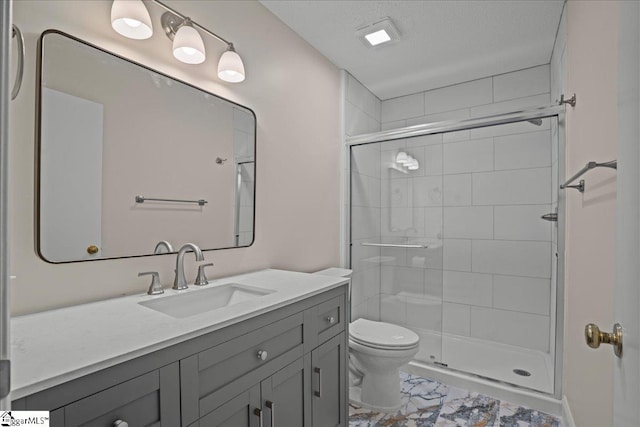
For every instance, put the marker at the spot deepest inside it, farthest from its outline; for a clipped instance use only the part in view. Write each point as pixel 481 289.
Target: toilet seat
pixel 382 336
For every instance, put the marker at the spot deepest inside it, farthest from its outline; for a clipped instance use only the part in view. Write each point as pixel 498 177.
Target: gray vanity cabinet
pixel 283 368
pixel 278 401
pixel 237 412
pixel 329 383
pixel 210 377
pixel 148 400
pixel 285 399
pixel 151 399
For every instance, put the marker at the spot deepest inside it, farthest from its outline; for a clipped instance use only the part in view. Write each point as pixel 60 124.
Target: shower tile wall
pixel 362 111
pixel 490 277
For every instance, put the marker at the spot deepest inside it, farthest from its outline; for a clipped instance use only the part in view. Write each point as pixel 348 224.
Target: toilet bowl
pixel 377 350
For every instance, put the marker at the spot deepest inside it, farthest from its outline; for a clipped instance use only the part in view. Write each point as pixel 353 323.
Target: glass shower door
pixel 499 280
pixel 448 240
pixel 396 237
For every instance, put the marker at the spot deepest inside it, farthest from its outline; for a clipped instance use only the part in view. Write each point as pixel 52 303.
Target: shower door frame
pixel 542 112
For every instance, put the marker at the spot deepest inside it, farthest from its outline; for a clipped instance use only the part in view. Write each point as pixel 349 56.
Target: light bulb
pixel 188 46
pixel 133 23
pixel 131 19
pixel 413 165
pixel 230 67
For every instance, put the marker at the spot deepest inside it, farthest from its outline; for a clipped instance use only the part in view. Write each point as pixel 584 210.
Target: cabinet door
pixel 284 400
pixel 241 411
pixel 209 378
pixel 329 388
pixel 151 399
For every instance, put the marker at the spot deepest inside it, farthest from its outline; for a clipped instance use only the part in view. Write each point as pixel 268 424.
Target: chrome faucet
pixel 163 244
pixel 180 282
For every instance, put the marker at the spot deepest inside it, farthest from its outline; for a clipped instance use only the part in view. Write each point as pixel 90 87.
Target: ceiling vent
pixel 381 33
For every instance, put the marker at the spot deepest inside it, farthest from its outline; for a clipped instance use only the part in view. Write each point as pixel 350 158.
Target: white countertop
pixel 56 346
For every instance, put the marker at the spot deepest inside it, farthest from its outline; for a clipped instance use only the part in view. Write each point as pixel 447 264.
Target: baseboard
pixel 567 416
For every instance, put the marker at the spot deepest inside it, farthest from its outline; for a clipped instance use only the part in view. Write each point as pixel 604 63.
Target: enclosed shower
pixel 454 235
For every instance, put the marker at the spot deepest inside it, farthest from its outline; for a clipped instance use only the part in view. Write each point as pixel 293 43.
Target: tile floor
pixel 427 403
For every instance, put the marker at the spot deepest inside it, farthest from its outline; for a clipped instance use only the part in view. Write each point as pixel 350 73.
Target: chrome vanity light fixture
pixel 130 18
pixel 402 158
pixel 188 46
pixel 230 67
pixel 405 160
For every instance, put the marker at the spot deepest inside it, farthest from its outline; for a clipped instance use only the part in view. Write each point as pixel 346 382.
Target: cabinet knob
pixel 92 249
pixel 331 320
pixel 120 423
pixel 262 354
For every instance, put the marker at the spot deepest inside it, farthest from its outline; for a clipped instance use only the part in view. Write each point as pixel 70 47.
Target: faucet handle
pixel 155 288
pixel 201 279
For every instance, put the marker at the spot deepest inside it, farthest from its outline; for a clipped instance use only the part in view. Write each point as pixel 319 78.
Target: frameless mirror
pixel 129 157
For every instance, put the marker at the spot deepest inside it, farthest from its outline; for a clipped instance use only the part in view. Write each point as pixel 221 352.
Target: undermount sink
pixel 198 302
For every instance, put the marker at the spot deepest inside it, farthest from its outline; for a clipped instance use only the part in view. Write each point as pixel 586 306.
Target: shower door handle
pixel 550 217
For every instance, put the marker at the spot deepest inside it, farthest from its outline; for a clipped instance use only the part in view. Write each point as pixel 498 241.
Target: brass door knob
pixel 594 337
pixel 92 249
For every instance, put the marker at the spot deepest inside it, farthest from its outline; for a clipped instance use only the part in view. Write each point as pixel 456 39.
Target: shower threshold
pixel 498 362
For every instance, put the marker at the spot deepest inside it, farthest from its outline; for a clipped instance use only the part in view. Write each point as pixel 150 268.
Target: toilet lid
pixel 382 335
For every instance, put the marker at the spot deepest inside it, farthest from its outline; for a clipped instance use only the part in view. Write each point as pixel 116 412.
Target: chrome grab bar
pixel 395 245
pixel 613 164
pixel 19 74
pixel 142 199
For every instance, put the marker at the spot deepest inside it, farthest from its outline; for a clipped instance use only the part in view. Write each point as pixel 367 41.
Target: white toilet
pixel 377 350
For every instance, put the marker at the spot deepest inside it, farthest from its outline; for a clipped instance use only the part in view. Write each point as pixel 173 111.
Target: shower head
pixel 536 122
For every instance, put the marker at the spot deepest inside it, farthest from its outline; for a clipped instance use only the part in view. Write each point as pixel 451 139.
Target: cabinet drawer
pixel 210 377
pixel 151 399
pixel 330 318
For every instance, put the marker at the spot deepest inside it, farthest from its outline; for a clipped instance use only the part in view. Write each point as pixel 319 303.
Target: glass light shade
pixel 188 46
pixel 131 19
pixel 230 67
pixel 402 158
pixel 413 165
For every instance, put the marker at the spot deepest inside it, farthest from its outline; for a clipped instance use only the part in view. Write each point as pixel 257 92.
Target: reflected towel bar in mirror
pixel 142 199
pixel 395 245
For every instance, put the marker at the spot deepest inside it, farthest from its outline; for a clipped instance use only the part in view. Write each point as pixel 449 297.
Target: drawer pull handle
pixel 272 409
pixel 331 320
pixel 262 354
pixel 120 423
pixel 319 372
pixel 258 413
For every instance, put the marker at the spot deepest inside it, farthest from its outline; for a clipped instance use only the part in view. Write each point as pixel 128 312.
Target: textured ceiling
pixel 442 42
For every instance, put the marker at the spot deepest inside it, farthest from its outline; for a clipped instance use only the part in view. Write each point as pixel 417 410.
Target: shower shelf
pixel 395 245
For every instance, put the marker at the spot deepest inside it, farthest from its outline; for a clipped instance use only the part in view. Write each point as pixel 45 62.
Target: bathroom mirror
pixel 113 136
